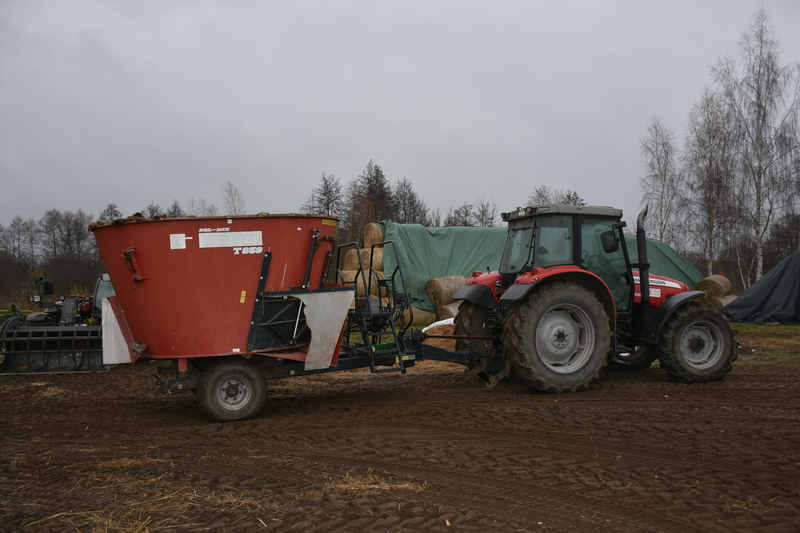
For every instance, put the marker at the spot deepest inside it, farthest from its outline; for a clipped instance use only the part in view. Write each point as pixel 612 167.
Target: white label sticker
pixel 659 282
pixel 230 239
pixel 177 241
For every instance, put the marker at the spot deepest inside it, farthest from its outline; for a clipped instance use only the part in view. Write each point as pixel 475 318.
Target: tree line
pixel 728 197
pixel 372 197
pixel 60 247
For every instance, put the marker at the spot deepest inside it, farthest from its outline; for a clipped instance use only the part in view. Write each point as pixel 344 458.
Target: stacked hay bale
pixel 351 266
pixel 718 290
pixel 372 235
pixel 420 316
pixel 441 292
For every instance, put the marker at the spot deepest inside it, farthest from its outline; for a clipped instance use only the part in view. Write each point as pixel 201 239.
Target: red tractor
pixel 567 301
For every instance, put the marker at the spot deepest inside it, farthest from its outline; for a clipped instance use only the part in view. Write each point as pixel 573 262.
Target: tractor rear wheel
pixel 558 338
pixel 472 320
pixel 475 321
pixel 231 389
pixel 697 344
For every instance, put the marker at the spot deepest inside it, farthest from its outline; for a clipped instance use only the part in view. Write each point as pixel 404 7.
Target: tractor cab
pixel 557 239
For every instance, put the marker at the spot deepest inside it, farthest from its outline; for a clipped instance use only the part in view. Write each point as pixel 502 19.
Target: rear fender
pixel 527 282
pixel 651 330
pixel 477 294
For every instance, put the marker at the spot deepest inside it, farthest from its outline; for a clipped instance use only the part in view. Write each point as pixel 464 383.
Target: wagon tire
pixel 697 344
pixel 558 338
pixel 231 389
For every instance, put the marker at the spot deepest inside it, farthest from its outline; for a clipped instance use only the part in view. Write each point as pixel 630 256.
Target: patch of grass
pixel 769 345
pixel 367 483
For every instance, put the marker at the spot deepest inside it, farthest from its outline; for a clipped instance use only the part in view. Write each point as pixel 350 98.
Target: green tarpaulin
pixel 427 253
pixel 664 261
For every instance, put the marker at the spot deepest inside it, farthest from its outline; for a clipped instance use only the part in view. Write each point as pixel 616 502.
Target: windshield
pixel 544 244
pixel 516 253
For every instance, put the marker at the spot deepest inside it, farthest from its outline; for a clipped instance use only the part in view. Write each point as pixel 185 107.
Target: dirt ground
pixel 424 451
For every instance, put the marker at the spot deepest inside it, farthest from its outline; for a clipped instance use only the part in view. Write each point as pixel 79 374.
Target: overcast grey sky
pixel 131 102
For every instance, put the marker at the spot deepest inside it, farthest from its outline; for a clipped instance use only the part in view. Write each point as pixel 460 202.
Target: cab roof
pixel 561 209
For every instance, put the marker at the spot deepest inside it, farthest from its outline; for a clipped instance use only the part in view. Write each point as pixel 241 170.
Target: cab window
pixel 553 241
pixel 609 266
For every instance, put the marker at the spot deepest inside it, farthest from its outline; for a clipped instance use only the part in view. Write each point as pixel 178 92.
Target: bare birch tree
pixel 763 98
pixel 200 208
pixel 233 200
pixel 661 185
pixel 708 162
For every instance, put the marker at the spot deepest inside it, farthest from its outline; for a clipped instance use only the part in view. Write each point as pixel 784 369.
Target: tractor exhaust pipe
pixel 644 266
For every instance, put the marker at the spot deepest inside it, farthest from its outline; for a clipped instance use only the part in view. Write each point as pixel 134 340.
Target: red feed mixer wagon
pixel 235 301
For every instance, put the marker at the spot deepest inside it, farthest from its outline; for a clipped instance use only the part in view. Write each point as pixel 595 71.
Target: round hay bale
pixel 372 234
pixel 713 300
pixel 448 311
pixel 420 317
pixel 714 286
pixel 727 299
pixel 441 292
pixel 720 301
pixel 377 257
pixel 351 260
pixel 349 275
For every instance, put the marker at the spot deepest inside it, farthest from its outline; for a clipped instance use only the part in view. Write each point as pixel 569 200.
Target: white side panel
pixel 115 351
pixel 326 313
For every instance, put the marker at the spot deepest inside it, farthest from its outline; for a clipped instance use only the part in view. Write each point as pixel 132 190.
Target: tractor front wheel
pixel 231 389
pixel 697 344
pixel 558 338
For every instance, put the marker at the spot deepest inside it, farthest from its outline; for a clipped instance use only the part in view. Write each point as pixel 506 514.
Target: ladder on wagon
pixel 381 313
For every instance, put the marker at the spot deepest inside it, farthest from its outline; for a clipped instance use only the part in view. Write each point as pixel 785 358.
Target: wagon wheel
pixel 558 338
pixel 232 389
pixel 697 344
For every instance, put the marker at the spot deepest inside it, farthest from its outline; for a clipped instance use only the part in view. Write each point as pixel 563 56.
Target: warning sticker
pixel 229 239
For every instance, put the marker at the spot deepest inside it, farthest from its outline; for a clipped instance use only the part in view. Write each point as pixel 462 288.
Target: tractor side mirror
pixel 48 288
pixel 609 241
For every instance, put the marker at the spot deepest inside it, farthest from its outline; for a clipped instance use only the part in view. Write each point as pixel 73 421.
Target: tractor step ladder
pixel 378 304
